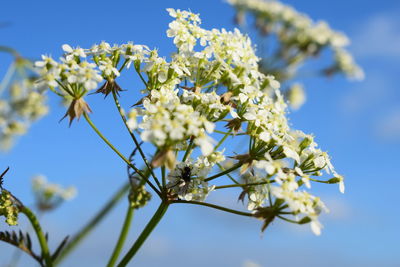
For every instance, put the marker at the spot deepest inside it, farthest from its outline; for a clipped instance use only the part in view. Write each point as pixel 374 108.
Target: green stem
pixel 7 77
pixel 221 132
pixel 164 179
pixel 123 66
pixel 9 50
pixel 145 233
pixel 18 252
pixel 77 238
pixel 141 77
pixel 65 89
pixel 222 140
pixel 243 185
pixel 248 214
pixel 39 233
pixel 234 167
pixel 324 182
pixel 119 153
pixel 230 176
pixel 189 148
pixel 289 220
pixel 116 101
pixel 122 236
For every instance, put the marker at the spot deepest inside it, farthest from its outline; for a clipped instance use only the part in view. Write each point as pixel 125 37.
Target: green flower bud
pixel 334 180
pixel 305 143
pixel 8 208
pixel 139 197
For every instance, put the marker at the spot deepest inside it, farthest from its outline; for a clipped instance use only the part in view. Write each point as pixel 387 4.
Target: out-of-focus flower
pixel 21 103
pixel 297 39
pixel 49 196
pixel 296 96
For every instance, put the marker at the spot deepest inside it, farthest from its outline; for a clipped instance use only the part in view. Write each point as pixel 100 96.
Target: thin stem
pixel 65 88
pixel 288 220
pixel 164 180
pixel 222 140
pixel 189 148
pixel 230 176
pixel 230 133
pixel 324 182
pixel 123 66
pixel 7 77
pixel 215 207
pixel 145 233
pixel 39 233
pixel 119 153
pixel 243 185
pixel 9 50
pixel 141 77
pixel 234 167
pixel 89 227
pixel 56 92
pixel 116 101
pixel 122 236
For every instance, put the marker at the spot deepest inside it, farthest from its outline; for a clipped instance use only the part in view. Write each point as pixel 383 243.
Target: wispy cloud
pixel 388 128
pixel 372 93
pixel 378 36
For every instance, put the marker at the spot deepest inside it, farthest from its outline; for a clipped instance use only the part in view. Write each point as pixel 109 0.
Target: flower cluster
pixel 212 80
pixel 139 197
pixel 48 196
pixel 299 39
pixel 81 70
pixel 20 103
pixel 167 121
pixel 187 180
pixel 8 208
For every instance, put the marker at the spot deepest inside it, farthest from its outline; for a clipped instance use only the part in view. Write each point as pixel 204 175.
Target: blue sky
pixel 357 122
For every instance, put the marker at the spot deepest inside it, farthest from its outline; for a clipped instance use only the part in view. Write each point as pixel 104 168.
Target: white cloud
pixel 339 209
pixel 379 36
pixel 388 127
pixel 373 92
pixel 250 263
pixel 157 246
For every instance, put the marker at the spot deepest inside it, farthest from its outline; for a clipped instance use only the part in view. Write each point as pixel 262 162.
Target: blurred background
pixel 358 123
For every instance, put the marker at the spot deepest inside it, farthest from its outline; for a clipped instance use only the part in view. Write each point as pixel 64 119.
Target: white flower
pixel 132 119
pixel 48 195
pixel 187 180
pixel 291 153
pixel 316 227
pixel 108 68
pixel 71 53
pixel 296 96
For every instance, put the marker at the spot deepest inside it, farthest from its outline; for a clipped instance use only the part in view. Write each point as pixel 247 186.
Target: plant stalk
pixel 145 233
pixel 118 105
pixel 120 154
pixel 39 233
pixel 78 237
pixel 122 236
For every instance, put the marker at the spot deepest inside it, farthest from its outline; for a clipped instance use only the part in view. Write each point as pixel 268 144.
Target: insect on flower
pixel 1 177
pixel 185 178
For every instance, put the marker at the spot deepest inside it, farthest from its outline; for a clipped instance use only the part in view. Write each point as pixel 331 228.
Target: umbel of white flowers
pixel 297 33
pixel 20 102
pixel 211 82
pixel 290 40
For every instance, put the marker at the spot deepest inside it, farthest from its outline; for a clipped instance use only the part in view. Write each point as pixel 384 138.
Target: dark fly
pixel 184 179
pixel 186 174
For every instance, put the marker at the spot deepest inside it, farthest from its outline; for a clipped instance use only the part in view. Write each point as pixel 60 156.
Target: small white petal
pixel 67 48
